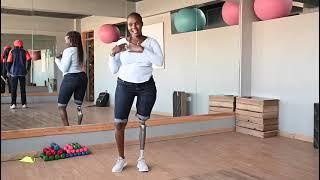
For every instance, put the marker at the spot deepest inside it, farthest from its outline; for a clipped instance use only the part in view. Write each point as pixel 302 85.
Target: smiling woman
pixel 250 59
pixel 133 60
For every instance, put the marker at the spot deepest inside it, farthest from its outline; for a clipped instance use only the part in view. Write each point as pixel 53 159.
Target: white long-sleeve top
pixel 137 67
pixel 69 61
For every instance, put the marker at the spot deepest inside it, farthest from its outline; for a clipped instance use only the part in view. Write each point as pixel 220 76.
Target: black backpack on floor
pixel 103 100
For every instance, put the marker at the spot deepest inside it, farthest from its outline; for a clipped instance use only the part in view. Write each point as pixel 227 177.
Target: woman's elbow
pixel 63 70
pixel 114 70
pixel 159 62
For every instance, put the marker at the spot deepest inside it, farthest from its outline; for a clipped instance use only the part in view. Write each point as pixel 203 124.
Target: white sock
pixel 141 154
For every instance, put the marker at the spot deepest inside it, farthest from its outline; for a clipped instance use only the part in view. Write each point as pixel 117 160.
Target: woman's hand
pixel 59 56
pixel 118 49
pixel 135 48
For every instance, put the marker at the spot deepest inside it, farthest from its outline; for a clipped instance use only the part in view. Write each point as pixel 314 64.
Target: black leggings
pixel 22 82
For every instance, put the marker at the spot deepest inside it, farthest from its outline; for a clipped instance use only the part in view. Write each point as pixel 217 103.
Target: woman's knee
pixel 120 126
pixel 62 108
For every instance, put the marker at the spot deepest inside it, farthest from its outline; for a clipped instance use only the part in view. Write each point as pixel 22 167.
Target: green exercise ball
pixel 189 19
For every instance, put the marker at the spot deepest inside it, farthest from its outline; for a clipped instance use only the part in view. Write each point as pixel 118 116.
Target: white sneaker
pixel 120 164
pixel 24 106
pixel 13 106
pixel 142 165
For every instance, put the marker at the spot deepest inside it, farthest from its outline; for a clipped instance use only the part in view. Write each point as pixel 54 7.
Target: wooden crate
pixel 263 115
pixel 221 103
pixel 256 120
pixel 259 127
pixel 257 104
pixel 257 116
pixel 222 98
pixel 213 110
pixel 260 134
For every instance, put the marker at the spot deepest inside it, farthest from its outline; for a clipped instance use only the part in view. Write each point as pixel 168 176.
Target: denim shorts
pixel 146 93
pixel 73 83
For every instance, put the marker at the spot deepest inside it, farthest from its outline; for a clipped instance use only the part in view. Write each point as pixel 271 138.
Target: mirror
pixel 218 56
pixel 197 63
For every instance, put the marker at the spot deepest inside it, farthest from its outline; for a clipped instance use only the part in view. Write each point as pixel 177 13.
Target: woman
pixel 132 59
pixel 75 80
pixel 5 78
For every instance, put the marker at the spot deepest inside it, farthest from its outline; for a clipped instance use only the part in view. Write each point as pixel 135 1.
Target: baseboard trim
pixel 296 136
pixel 29 94
pixel 36 132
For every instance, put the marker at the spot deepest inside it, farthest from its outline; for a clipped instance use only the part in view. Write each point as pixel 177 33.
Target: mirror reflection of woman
pixel 74 82
pixel 4 73
pixel 132 59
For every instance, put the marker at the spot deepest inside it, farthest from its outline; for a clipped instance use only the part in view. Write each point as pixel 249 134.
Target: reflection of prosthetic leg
pixel 3 84
pixel 80 115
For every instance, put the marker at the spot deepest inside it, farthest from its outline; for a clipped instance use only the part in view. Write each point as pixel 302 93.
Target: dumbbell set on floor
pixel 54 152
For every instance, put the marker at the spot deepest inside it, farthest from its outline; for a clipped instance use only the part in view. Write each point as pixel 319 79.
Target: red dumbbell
pixel 48 153
pixel 85 149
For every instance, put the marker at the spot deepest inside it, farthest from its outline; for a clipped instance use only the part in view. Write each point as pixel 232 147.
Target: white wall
pixel 103 78
pixel 200 63
pixel 218 52
pixel 285 65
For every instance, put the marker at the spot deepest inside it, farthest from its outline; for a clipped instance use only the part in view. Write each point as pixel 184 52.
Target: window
pixel 212 12
pixel 123 29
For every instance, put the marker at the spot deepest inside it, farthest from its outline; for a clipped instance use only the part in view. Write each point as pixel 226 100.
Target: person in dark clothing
pixel 18 66
pixel 4 78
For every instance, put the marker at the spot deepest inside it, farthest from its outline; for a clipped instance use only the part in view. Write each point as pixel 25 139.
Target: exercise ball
pixel 271 9
pixel 189 19
pixel 35 54
pixel 108 33
pixel 230 13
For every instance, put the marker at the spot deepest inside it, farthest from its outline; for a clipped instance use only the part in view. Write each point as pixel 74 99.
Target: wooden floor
pixel 225 156
pixel 41 115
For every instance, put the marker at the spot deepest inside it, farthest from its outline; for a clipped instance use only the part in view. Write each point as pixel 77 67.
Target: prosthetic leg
pixel 80 115
pixel 142 166
pixel 142 137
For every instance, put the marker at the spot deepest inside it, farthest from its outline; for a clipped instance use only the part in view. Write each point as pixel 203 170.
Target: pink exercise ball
pixel 271 9
pixel 230 13
pixel 108 33
pixel 35 54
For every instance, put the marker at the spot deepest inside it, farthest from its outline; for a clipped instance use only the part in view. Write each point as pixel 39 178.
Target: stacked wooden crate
pixel 257 116
pixel 221 103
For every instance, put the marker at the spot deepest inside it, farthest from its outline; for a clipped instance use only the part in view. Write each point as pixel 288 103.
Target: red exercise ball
pixel 35 54
pixel 230 12
pixel 109 33
pixel 271 9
